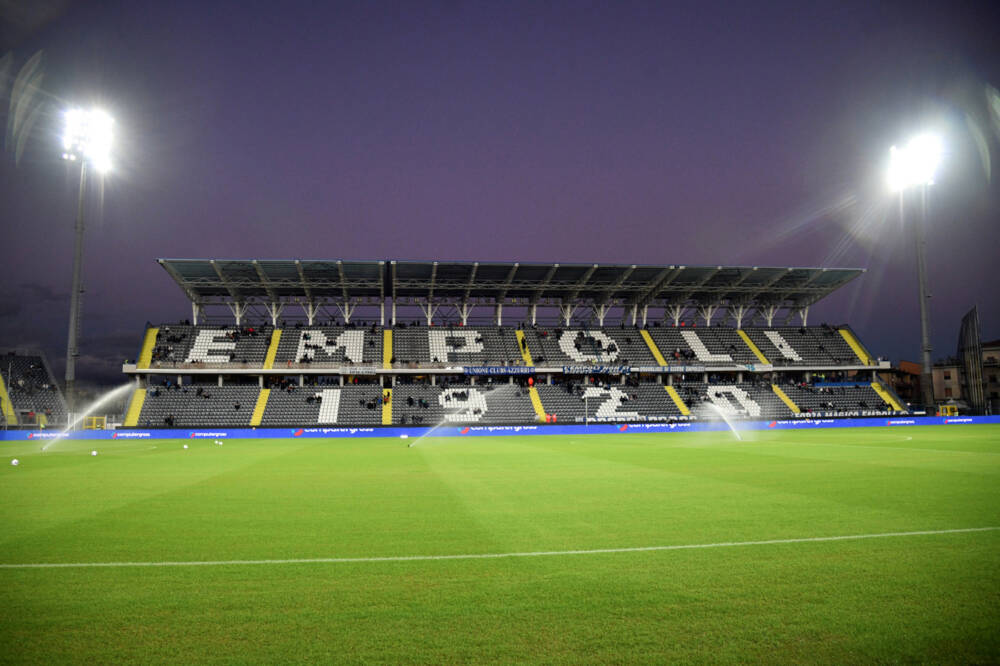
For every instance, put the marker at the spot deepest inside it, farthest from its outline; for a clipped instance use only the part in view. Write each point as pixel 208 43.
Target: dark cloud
pixel 42 293
pixel 9 307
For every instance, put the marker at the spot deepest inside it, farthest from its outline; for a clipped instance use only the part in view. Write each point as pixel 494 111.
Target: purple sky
pixel 698 133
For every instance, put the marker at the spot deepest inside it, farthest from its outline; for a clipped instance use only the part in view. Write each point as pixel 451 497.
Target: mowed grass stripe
pixel 490 556
pixel 719 592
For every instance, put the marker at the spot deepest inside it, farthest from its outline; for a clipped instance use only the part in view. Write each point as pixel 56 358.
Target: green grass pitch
pixel 929 598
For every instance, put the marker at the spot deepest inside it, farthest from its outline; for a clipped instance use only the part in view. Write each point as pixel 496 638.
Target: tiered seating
pixel 782 346
pixel 575 346
pixel 733 400
pixel 703 346
pixel 329 345
pixel 324 352
pixel 815 346
pixel 351 405
pixel 466 345
pixel 860 399
pixel 31 388
pixel 611 402
pixel 723 339
pixel 419 404
pixel 190 406
pixel 215 345
pixel 410 346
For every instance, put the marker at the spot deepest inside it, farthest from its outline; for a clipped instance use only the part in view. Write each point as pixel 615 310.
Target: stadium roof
pixel 211 281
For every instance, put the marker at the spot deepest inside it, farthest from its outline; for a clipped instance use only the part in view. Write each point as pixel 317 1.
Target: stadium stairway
pixel 135 407
pixel 523 346
pixel 856 346
pixel 785 399
pixel 6 406
pixel 887 397
pixel 272 349
pixel 749 343
pixel 676 397
pixel 387 348
pixel 258 410
pixel 653 349
pixel 146 352
pixel 536 402
pixel 387 406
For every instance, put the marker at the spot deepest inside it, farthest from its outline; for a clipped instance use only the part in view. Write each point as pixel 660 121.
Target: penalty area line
pixel 492 556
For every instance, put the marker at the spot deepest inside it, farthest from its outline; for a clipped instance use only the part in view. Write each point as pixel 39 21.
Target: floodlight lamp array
pixel 914 164
pixel 87 135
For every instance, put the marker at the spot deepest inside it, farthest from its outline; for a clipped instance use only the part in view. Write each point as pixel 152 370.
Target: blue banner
pixel 596 370
pixel 498 370
pixel 486 430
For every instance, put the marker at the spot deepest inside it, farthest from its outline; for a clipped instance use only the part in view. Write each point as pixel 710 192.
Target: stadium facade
pixel 379 343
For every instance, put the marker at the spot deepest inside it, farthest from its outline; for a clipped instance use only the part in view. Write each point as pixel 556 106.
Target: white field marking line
pixel 492 556
pixel 891 448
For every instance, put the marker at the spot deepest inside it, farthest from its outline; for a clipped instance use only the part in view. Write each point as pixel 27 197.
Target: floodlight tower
pixel 914 166
pixel 87 140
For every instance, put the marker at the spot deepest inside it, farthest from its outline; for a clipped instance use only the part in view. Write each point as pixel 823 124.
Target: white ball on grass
pixel 185 446
pixel 93 453
pixel 15 462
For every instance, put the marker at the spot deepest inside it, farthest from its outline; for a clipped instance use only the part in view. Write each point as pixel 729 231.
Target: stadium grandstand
pixel 29 394
pixel 368 343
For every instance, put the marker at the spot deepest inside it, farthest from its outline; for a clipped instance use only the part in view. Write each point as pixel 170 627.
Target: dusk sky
pixel 687 133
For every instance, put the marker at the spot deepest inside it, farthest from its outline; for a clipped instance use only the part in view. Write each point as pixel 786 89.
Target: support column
pixel 707 312
pixel 738 312
pixel 768 312
pixel 310 309
pixel 566 312
pixel 464 308
pixel 499 314
pixel 429 309
pixel 220 380
pixel 275 309
pixel 238 309
pixel 195 311
pixel 534 314
pixel 346 310
pixel 600 311
pixel 76 294
pixel 675 312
